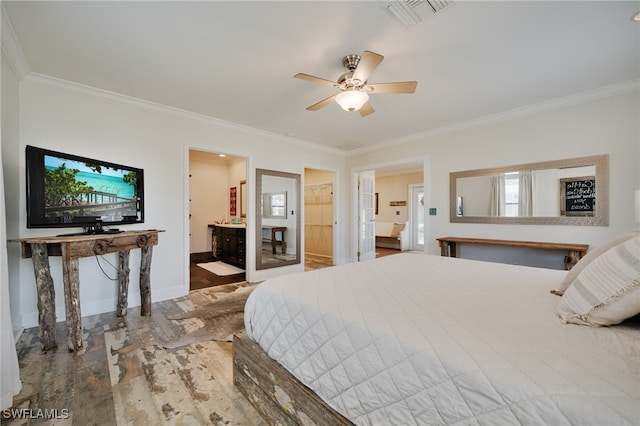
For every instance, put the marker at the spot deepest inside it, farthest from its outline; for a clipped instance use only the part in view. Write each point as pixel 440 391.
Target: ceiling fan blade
pixel 366 109
pixel 369 61
pixel 314 79
pixel 399 87
pixel 322 103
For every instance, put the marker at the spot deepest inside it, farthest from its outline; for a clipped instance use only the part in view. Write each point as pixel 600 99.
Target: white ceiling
pixel 235 60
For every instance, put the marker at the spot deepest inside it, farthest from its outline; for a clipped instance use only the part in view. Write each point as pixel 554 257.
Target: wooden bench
pixel 574 251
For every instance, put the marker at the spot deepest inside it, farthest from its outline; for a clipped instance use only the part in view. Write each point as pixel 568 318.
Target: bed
pixel 416 339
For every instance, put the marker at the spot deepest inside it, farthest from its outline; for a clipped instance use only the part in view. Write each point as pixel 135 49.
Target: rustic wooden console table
pixel 71 248
pixel 574 251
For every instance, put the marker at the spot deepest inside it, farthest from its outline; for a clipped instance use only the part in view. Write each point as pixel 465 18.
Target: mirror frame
pixel 600 218
pixel 259 175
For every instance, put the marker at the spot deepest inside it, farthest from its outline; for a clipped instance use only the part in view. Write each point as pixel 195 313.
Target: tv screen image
pixel 65 190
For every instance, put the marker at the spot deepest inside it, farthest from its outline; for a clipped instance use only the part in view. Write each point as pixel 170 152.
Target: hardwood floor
pixel 312 261
pixel 124 376
pixel 201 278
pixel 382 252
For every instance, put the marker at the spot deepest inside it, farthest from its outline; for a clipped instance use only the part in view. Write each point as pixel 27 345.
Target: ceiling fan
pixel 354 89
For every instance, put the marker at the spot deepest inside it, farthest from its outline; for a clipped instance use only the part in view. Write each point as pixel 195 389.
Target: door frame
pixel 250 264
pixel 426 169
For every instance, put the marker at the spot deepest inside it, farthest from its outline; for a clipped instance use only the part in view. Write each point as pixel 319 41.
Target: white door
pixel 366 215
pixel 416 219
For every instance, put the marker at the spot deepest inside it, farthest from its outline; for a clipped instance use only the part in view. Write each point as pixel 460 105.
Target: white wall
pixel 609 125
pixel 237 172
pixel 11 158
pixel 57 116
pixel 395 188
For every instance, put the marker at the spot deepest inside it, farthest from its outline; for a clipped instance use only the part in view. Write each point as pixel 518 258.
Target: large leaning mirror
pixel 277 219
pixel 572 191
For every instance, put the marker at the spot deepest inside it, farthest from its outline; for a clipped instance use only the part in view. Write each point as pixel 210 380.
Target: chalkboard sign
pixel 578 196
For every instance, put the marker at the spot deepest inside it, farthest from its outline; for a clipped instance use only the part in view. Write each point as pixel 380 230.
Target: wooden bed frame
pixel 280 398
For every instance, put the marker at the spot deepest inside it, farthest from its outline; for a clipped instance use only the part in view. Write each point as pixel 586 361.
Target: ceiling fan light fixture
pixel 351 100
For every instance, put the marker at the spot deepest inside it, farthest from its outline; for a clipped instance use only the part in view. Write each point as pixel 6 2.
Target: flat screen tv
pixel 65 190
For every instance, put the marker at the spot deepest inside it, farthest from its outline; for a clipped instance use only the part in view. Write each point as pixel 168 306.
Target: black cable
pixel 102 269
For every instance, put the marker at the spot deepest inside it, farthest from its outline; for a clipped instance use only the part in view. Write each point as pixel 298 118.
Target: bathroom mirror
pixel 277 219
pixel 572 191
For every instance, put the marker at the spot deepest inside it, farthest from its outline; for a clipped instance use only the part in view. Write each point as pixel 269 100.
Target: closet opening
pixel 318 218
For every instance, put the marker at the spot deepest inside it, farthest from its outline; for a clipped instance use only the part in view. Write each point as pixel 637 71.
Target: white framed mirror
pixel 277 219
pixel 572 191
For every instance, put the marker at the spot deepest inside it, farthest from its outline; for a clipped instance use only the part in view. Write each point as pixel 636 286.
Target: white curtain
pixel 496 199
pixel 525 194
pixel 10 371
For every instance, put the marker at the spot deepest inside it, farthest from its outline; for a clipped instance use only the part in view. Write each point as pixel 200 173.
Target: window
pixel 511 194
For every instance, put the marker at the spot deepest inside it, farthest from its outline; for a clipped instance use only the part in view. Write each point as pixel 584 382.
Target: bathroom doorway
pixel 215 198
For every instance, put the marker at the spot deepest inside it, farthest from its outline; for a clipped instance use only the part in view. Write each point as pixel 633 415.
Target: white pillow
pixel 397 229
pixel 593 254
pixel 607 290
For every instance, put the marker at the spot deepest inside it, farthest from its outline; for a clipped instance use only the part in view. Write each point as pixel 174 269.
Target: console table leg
pixel 447 249
pixel 571 259
pixel 145 280
pixel 46 296
pixel 123 282
pixel 71 280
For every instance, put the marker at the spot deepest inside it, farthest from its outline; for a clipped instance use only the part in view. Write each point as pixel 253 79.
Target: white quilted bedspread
pixel 414 339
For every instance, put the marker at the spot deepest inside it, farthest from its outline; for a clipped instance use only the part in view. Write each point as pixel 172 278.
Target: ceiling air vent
pixel 410 12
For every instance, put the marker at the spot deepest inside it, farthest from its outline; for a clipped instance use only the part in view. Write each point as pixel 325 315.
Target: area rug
pixel 218 320
pixel 220 268
pixel 156 385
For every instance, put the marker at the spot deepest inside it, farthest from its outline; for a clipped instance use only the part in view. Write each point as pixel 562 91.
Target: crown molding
pixel 85 90
pixel 18 63
pixel 11 47
pixel 565 101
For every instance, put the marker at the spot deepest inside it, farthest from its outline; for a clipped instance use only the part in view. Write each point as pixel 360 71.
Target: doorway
pixel 416 217
pixel 215 186
pixel 318 218
pixel 394 204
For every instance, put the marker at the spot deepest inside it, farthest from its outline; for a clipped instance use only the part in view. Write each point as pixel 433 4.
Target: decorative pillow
pixel 607 290
pixel 593 254
pixel 397 229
